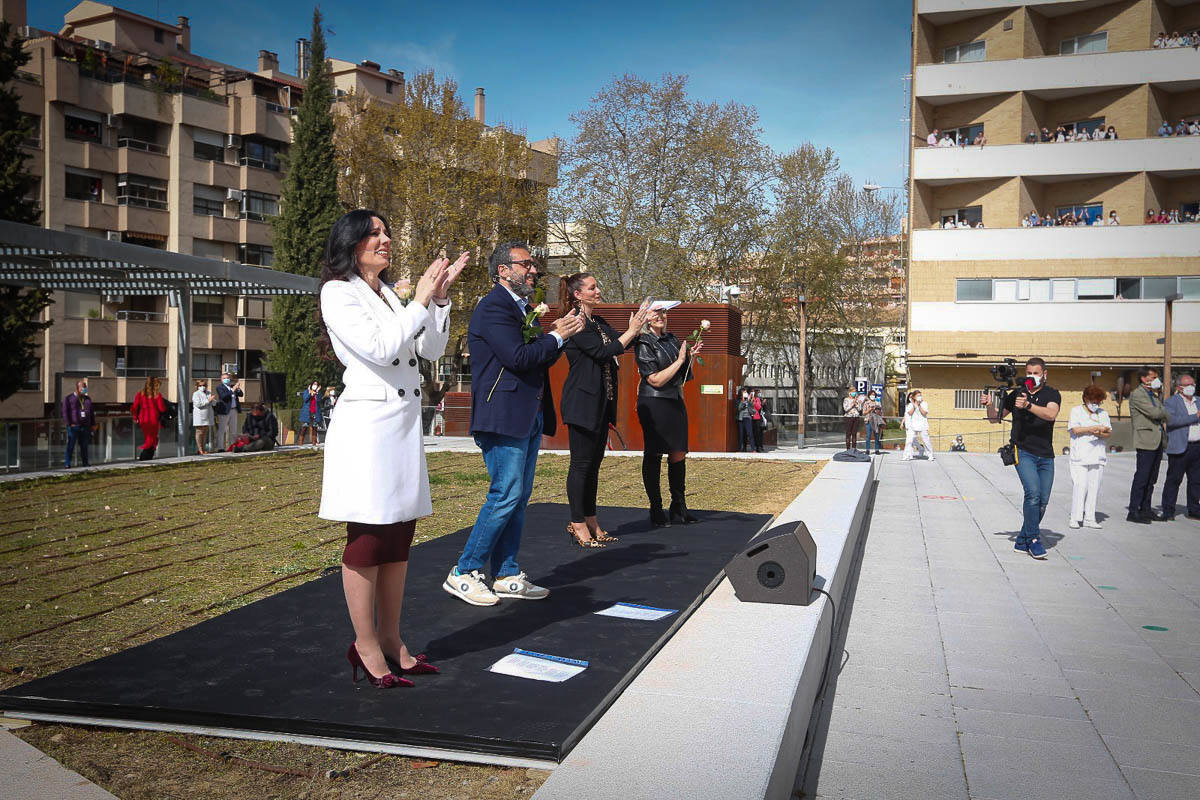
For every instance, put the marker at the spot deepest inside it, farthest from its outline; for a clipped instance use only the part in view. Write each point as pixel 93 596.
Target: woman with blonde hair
pixel 148 408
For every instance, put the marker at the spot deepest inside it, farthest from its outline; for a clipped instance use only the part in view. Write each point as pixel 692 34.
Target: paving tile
pixel 1166 756
pixel 1027 727
pixel 1152 718
pixel 999 767
pixel 886 782
pixel 1163 785
pixel 1018 703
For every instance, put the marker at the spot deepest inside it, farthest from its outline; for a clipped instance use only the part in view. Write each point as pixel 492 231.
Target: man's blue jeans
pixel 81 435
pixel 511 463
pixel 1037 477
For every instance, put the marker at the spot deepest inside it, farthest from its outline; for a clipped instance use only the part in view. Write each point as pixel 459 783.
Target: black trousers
pixel 1145 475
pixel 758 434
pixel 583 476
pixel 1185 463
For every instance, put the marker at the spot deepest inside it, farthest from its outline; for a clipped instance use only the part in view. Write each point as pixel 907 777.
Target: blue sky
pixel 826 72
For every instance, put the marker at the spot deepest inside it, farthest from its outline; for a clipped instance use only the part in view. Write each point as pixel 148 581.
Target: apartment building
pixel 1089 297
pixel 138 139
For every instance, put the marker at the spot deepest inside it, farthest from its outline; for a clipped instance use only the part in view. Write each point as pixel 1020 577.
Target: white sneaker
pixel 1074 523
pixel 470 588
pixel 520 587
pixel 1091 523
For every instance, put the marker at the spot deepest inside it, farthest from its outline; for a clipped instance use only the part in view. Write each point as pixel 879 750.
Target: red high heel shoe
pixel 388 681
pixel 422 667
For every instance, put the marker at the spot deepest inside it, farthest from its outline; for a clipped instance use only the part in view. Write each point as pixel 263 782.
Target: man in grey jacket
pixel 1183 448
pixel 1147 414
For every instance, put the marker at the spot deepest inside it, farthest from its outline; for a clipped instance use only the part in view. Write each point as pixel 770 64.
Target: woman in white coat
pixel 375 479
pixel 202 415
pixel 916 423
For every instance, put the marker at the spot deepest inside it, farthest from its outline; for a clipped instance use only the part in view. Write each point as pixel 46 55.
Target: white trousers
pixel 227 428
pixel 910 438
pixel 1085 488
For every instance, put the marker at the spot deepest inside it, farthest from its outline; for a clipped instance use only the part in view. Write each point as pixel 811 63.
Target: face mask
pixel 226 381
pixel 314 387
pixel 1093 407
pixel 1188 391
pixel 1156 383
pixel 83 390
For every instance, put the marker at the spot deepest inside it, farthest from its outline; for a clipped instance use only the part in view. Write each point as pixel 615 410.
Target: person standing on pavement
pixel 745 423
pixel 77 413
pixel 852 408
pixel 148 408
pixel 1034 406
pixel 229 394
pixel 916 423
pixel 757 421
pixel 1147 414
pixel 202 415
pixel 1183 448
pixel 873 410
pixel 1089 426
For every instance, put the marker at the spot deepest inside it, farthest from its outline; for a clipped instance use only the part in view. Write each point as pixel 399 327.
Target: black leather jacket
pixel 655 354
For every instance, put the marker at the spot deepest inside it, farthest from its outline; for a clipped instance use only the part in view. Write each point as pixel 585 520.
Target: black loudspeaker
pixel 777 566
pixel 275 387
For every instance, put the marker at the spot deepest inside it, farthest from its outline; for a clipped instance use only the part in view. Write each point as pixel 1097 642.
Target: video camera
pixel 1006 372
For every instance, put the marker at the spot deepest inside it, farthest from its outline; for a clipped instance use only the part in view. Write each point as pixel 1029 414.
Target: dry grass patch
pixel 91 564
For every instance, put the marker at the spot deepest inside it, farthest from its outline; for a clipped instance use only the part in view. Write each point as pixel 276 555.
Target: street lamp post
pixel 803 302
pixel 1167 325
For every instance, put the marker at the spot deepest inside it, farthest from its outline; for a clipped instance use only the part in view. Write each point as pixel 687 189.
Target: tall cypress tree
pixel 19 308
pixel 308 208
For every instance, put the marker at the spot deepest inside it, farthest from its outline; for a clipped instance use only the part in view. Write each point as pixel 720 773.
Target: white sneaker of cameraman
pixel 520 587
pixel 470 587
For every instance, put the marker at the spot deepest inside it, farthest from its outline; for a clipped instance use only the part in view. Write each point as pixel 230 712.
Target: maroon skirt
pixel 372 545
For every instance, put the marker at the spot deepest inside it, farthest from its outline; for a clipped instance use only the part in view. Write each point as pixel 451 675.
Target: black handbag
pixel 1008 454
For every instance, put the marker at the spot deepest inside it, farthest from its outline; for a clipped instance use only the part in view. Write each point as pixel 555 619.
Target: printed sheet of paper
pixel 538 666
pixel 634 611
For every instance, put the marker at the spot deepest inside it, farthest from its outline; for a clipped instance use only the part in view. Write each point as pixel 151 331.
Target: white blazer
pixel 374 469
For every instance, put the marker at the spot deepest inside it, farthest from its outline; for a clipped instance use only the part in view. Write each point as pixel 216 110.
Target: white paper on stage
pixel 634 611
pixel 538 666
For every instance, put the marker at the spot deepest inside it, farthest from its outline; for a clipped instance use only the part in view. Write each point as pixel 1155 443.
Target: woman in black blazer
pixel 589 400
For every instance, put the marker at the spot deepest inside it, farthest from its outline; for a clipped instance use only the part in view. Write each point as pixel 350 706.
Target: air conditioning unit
pixel 113 236
pixel 100 44
pixel 233 140
pixel 231 368
pixel 112 120
pixel 233 195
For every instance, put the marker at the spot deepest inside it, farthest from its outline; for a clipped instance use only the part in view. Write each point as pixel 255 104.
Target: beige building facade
pixel 138 139
pixel 1088 298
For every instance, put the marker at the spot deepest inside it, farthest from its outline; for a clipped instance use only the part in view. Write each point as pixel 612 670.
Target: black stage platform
pixel 278 666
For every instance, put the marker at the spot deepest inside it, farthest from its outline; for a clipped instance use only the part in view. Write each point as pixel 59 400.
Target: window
pixel 33 124
pixel 83 130
pixel 208 145
pixel 968 399
pixel 206 363
pixel 1062 289
pixel 262 153
pixel 1129 288
pixel 208 200
pixel 208 309
pixel 250 362
pixel 1004 291
pixel 205 248
pixel 79 305
pixel 257 205
pixel 1088 43
pixel 83 187
pixel 258 255
pixel 1190 287
pixel 970 216
pixel 141 362
pixel 1039 292
pixel 389 86
pixel 972 51
pixel 970 289
pixel 33 378
pixel 1188 210
pixel 1159 288
pixel 1084 213
pixel 1087 126
pixel 966 134
pixel 140 190
pixel 253 311
pixel 1096 288
pixel 158 36
pixel 81 358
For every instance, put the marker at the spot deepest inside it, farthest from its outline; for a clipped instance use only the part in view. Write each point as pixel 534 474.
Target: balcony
pixel 941 165
pixel 88 155
pixel 256 119
pixel 1041 244
pixel 946 11
pixel 1057 76
pixel 1074 316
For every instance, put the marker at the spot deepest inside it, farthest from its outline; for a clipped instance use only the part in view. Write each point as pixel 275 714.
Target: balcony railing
pixel 247 161
pixel 143 202
pixel 28 77
pixel 141 372
pixel 278 109
pixel 141 316
pixel 249 322
pixel 138 144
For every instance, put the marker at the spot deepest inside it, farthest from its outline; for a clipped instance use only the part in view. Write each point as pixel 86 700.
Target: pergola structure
pixel 47 259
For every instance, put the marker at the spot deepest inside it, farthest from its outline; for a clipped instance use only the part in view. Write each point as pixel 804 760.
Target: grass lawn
pixel 93 564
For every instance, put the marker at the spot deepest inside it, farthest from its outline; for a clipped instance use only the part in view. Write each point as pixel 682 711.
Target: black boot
pixel 677 480
pixel 652 479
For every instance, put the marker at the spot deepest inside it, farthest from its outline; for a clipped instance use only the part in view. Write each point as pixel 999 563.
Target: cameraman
pixel 1034 407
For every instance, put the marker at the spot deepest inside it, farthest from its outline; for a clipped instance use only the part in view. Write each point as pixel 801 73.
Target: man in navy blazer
pixel 1183 448
pixel 511 407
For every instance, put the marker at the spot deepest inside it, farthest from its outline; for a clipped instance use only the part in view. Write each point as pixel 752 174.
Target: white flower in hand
pixel 705 324
pixel 540 309
pixel 404 289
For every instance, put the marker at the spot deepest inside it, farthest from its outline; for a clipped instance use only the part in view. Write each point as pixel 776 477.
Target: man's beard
pixel 525 288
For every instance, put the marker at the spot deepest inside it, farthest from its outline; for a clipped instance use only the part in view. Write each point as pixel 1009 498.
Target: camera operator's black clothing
pixel 1030 432
pixel 264 427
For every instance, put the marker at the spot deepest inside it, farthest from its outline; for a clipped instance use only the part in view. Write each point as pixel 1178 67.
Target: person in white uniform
pixel 916 423
pixel 1089 426
pixel 375 479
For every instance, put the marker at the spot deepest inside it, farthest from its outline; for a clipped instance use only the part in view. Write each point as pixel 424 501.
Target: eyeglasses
pixel 528 263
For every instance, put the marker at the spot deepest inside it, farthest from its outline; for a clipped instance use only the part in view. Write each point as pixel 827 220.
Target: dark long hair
pixel 340 262
pixel 567 286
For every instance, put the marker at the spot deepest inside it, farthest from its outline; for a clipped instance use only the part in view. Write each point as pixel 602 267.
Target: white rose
pixel 404 289
pixel 540 309
pixel 705 324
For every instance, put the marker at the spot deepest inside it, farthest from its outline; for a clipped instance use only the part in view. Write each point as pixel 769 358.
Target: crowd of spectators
pixel 1068 219
pixel 939 138
pixel 1182 128
pixel 1069 133
pixel 1173 217
pixel 1164 42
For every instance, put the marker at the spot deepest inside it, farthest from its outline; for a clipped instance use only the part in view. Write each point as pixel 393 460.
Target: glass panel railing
pixel 41 444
